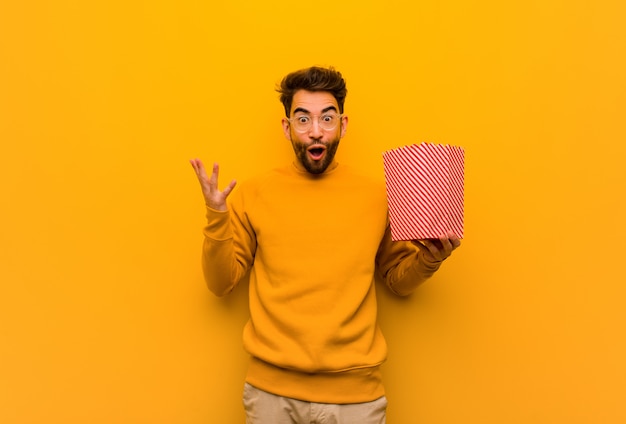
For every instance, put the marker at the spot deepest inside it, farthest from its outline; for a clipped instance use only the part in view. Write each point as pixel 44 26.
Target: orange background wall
pixel 104 317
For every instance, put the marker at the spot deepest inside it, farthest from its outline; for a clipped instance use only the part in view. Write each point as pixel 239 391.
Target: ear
pixel 286 128
pixel 344 125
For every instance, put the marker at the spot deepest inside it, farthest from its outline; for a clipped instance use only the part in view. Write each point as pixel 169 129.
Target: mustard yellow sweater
pixel 313 244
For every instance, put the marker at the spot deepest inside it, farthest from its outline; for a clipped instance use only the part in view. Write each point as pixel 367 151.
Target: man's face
pixel 315 148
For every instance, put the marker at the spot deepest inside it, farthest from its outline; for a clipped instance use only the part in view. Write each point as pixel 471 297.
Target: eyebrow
pixel 303 110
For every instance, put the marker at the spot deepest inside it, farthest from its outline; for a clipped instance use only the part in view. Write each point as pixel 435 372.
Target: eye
pixel 302 120
pixel 328 118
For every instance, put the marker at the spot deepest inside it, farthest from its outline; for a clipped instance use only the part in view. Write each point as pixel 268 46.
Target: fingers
pixel 213 197
pixel 214 175
pixel 440 248
pixel 196 164
pixel 454 240
pixel 229 188
pixel 431 251
pixel 198 167
pixel 446 245
pixel 214 180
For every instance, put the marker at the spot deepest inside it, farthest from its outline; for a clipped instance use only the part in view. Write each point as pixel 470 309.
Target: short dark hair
pixel 314 78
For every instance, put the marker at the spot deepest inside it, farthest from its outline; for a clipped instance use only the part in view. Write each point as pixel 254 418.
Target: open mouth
pixel 316 152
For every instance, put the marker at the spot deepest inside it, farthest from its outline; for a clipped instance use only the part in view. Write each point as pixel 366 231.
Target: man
pixel 313 235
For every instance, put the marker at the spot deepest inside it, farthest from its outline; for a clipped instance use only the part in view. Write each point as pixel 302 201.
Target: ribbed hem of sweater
pixel 351 386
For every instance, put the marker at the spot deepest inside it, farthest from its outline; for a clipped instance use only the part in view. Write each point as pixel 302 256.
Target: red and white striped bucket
pixel 425 190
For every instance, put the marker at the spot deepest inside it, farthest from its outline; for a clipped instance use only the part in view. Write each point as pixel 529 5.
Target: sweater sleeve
pixel 402 265
pixel 228 248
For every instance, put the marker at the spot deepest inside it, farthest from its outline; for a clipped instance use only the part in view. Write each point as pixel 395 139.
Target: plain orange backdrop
pixel 104 316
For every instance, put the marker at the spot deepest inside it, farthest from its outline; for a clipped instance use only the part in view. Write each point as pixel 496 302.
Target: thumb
pixel 229 188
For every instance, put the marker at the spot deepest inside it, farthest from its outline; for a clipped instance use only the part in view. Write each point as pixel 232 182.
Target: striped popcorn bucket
pixel 425 190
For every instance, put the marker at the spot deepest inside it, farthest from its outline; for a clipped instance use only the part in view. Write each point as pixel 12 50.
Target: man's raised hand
pixel 213 197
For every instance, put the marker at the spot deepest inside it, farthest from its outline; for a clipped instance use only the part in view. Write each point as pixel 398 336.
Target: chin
pixel 317 171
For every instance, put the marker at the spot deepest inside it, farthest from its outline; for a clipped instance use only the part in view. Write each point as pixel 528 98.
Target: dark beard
pixel 316 167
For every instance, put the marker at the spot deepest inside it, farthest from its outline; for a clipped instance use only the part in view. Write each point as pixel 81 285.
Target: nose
pixel 316 130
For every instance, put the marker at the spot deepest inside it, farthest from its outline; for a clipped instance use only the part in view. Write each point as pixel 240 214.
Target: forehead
pixel 313 101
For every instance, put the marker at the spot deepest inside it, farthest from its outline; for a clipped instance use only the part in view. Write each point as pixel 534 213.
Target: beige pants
pixel 265 408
